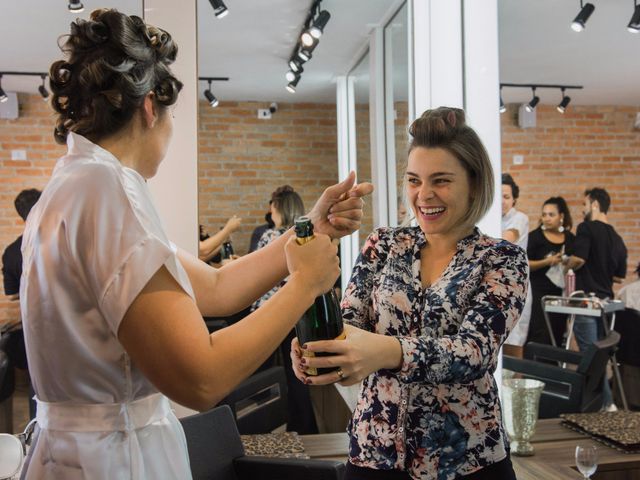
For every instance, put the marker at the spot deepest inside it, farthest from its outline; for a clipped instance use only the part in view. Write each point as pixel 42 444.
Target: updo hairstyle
pixel 114 61
pixel 446 128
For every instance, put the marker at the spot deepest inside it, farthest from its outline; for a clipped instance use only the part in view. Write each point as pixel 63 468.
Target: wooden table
pixel 553 460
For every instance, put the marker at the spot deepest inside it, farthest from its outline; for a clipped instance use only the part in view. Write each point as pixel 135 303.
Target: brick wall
pixel 243 159
pixel 33 132
pixel 565 154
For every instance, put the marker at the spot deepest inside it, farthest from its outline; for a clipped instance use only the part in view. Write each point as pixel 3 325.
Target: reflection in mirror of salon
pixel 243 158
pixel 595 143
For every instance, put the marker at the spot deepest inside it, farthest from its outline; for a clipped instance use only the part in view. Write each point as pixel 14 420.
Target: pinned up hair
pixel 446 128
pixel 114 61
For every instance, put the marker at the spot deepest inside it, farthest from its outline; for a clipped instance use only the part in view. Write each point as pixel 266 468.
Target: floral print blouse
pixel 438 416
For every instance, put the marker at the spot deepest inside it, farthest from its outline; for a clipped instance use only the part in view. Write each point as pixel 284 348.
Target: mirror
pixel 360 98
pixel 396 39
pixel 243 156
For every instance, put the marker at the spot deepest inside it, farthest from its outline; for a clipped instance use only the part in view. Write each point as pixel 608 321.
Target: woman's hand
pixel 554 259
pixel 357 356
pixel 338 211
pixel 315 264
pixel 233 224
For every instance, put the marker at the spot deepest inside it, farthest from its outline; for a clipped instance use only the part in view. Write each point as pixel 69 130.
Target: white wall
pixel 175 187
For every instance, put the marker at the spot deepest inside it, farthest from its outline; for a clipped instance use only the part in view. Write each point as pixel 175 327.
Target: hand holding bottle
pixel 356 357
pixel 314 264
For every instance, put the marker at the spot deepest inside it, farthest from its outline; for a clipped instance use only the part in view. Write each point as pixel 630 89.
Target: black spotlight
pixel 304 53
pixel 3 96
pixel 211 98
pixel 43 90
pixel 503 107
pixel 291 88
pixel 319 23
pixel 307 39
pixel 295 65
pixel 75 6
pixel 634 24
pixel 530 107
pixel 579 22
pixel 291 75
pixel 219 8
pixel 564 103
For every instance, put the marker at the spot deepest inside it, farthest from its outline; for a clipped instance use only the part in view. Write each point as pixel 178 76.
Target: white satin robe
pixel 91 244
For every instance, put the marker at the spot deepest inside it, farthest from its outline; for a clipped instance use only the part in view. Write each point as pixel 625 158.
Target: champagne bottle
pixel 323 320
pixel 227 249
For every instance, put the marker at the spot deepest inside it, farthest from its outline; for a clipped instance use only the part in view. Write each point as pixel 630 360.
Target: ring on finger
pixel 340 373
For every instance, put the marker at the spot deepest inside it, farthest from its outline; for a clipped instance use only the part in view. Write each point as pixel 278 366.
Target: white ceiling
pixel 253 43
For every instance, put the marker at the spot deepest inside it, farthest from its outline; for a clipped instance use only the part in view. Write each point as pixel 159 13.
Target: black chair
pixel 259 404
pixel 216 453
pixel 566 390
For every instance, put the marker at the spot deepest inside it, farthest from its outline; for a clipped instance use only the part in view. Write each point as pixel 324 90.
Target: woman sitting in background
pixel 547 244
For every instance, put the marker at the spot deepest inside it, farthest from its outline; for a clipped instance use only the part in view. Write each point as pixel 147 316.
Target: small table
pixel 554 457
pixel 588 306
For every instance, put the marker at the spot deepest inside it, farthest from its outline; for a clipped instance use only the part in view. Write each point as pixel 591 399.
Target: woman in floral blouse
pixel 428 308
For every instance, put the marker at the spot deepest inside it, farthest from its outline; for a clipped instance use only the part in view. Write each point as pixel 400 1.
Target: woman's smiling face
pixel 438 190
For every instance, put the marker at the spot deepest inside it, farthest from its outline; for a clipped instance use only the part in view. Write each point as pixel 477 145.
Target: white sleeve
pixel 117 251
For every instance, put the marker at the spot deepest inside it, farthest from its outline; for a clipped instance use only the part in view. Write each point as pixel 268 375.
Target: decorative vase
pixel 521 397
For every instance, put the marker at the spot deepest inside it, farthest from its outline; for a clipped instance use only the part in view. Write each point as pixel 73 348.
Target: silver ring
pixel 340 373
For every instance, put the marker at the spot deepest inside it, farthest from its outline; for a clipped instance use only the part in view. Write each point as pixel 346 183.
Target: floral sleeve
pixel 494 310
pixel 357 308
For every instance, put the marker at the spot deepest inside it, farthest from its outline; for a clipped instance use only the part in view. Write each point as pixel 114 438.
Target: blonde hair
pixel 446 128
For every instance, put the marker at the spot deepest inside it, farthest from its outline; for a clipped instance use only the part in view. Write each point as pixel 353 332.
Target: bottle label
pixel 303 240
pixel 308 354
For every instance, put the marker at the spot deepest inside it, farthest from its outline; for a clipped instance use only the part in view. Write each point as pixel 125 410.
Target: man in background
pixel 12 339
pixel 599 260
pixel 515 229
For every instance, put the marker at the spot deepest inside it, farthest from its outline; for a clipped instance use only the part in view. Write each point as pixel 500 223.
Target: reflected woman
pixel 428 309
pixel 545 248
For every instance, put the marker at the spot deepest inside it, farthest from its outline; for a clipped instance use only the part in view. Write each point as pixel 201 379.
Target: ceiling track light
pixel 208 94
pixel 564 103
pixel 291 87
pixel 295 65
pixel 75 6
pixel 219 8
pixel 43 90
pixel 291 75
pixel 530 107
pixel 634 23
pixel 3 96
pixel 580 21
pixel 319 23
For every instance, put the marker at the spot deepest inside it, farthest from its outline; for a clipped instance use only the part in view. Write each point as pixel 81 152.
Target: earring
pixel 561 228
pixel 542 227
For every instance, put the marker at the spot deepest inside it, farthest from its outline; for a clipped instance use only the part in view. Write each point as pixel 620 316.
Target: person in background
pixel 112 309
pixel 209 245
pixel 285 206
pixel 599 260
pixel 546 247
pixel 259 230
pixel 515 229
pixel 427 310
pixel 630 293
pixel 11 273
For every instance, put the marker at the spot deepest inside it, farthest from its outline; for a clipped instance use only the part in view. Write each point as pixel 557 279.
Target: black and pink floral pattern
pixel 438 416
